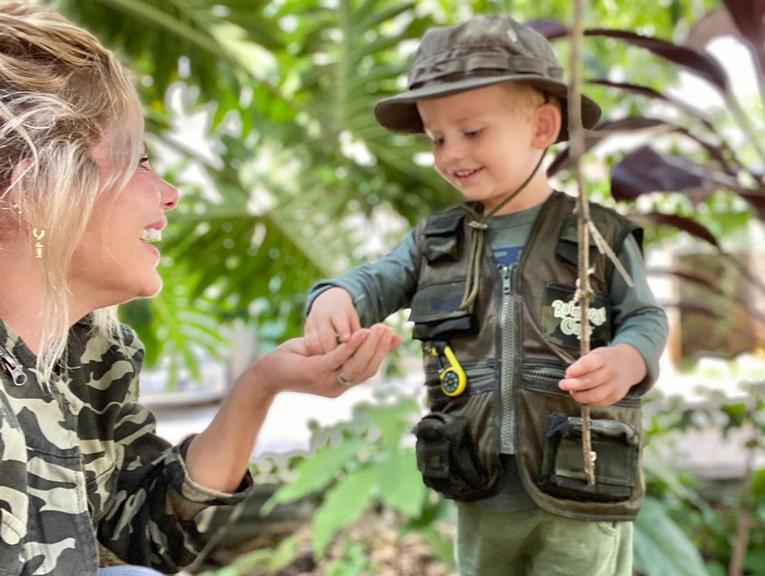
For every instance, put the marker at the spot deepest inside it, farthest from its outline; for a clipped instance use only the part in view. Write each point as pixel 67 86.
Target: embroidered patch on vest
pixel 562 321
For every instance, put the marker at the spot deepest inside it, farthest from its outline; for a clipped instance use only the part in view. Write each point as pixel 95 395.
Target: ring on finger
pixel 342 380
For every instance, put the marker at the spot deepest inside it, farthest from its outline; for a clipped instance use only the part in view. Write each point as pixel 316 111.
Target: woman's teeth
pixel 151 235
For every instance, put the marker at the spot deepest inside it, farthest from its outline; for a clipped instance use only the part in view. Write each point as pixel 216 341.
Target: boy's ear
pixel 547 124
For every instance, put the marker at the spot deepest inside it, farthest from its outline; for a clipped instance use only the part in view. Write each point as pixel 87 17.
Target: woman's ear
pixel 547 124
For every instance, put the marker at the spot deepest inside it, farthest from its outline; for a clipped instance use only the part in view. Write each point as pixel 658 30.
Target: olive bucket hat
pixel 482 51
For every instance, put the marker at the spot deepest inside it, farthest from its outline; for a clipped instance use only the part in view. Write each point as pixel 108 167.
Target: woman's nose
pixel 170 195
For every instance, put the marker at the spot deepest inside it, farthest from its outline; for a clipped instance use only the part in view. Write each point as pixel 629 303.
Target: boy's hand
pixel 332 320
pixel 605 375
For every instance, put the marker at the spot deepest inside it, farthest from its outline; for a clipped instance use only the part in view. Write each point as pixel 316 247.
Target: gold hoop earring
pixel 38 234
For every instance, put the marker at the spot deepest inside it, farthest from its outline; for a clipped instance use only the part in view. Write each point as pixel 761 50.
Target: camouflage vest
pixel 459 443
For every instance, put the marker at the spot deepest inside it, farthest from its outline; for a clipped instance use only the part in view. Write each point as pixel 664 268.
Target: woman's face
pixel 116 260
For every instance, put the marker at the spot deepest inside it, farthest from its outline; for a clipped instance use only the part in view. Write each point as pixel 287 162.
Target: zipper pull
pixel 18 376
pixel 505 274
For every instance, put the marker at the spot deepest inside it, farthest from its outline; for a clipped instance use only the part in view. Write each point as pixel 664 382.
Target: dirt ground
pixel 373 546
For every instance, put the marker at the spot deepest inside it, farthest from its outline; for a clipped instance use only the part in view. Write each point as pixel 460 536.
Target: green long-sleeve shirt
pixel 378 289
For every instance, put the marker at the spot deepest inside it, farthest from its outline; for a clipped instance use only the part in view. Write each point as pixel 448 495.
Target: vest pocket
pixel 446 456
pixel 457 447
pixel 436 312
pixel 617 450
pixel 550 441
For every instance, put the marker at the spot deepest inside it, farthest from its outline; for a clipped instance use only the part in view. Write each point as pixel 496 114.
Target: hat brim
pixel 399 113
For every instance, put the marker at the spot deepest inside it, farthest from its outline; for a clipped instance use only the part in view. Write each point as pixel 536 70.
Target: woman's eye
pixel 143 161
pixel 438 141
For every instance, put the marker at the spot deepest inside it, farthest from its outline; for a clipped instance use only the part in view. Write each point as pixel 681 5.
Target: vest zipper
pixel 507 441
pixel 18 376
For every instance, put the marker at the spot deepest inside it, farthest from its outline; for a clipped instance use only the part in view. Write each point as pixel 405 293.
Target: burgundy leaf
pixel 691 277
pixel 681 223
pixel 697 61
pixel 601 132
pixel 550 29
pixel 695 308
pixel 756 201
pixel 651 93
pixel 712 25
pixel 749 17
pixel 645 170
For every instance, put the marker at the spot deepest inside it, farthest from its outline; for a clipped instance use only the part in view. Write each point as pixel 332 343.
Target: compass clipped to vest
pixel 450 373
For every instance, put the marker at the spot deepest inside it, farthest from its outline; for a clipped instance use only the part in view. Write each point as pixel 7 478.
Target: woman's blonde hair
pixel 61 92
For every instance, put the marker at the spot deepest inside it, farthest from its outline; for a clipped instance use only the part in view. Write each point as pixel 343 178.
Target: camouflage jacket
pixel 80 464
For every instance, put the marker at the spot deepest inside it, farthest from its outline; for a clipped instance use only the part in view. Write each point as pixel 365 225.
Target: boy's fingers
pixel 585 364
pixel 335 359
pixel 327 336
pixel 343 328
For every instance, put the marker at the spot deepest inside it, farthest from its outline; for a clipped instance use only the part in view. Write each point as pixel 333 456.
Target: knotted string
pixel 478 239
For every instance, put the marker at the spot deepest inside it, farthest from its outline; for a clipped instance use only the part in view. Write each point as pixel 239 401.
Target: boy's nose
pixel 452 151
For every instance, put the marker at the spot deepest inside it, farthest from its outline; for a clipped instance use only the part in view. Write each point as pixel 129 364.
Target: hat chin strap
pixel 478 239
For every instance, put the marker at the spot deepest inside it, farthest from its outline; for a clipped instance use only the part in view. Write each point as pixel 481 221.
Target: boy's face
pixel 483 143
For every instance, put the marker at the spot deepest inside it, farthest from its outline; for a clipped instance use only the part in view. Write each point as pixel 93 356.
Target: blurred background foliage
pixel 261 111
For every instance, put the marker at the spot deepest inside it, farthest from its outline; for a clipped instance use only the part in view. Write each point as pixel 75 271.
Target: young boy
pixel 491 286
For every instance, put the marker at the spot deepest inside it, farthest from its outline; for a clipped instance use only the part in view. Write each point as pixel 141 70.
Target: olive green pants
pixel 536 543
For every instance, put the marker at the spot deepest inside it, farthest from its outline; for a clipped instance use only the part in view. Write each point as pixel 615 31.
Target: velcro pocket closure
pixel 567 249
pixel 436 312
pixel 441 237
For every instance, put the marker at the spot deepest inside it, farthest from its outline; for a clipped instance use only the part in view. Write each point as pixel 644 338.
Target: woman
pixel 80 207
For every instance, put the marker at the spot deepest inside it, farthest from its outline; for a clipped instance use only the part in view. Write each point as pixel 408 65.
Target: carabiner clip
pixel 452 377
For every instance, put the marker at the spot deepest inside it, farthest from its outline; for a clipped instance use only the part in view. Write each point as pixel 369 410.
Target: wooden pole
pixel 584 292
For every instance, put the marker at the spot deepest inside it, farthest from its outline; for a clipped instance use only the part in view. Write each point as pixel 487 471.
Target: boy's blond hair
pixel 61 92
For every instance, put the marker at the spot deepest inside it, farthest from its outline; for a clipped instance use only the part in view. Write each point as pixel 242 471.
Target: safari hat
pixel 483 51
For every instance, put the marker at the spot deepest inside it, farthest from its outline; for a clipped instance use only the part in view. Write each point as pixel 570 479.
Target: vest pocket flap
pixel 436 302
pixel 441 237
pixel 567 248
pixel 444 224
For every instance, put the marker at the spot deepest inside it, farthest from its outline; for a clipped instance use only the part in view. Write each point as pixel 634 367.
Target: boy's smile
pixel 484 143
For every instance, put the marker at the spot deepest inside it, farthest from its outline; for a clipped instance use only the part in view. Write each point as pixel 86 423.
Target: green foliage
pixel 661 546
pixel 364 461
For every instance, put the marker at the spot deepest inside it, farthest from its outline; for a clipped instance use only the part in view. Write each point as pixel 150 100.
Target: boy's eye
pixel 473 133
pixel 143 161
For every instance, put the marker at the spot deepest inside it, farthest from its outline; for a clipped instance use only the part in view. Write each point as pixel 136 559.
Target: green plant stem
pixel 744 524
pixel 745 123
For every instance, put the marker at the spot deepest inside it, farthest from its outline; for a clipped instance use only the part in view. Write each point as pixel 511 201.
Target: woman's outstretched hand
pixel 291 367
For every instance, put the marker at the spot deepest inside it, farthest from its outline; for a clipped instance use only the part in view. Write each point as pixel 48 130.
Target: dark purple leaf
pixel 691 277
pixel 600 133
pixel 756 201
pixel 651 93
pixel 645 170
pixel 696 61
pixel 695 308
pixel 685 224
pixel 749 18
pixel 550 29
pixel 712 25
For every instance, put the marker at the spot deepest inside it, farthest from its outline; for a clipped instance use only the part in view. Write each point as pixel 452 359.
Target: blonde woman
pixel 80 208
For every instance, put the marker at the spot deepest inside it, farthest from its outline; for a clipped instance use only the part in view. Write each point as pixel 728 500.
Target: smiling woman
pixel 80 209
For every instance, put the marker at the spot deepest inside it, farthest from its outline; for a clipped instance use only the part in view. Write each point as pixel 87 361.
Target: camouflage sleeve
pixel 14 501
pixel 156 515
